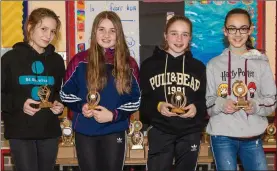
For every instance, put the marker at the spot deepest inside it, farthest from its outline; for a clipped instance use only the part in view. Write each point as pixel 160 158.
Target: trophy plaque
pixel 179 101
pixel 67 133
pixel 270 137
pixel 137 137
pixel 67 145
pixel 240 90
pixel 44 94
pixel 93 98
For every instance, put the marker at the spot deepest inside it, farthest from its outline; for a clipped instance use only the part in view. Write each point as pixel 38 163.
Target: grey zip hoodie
pixel 261 92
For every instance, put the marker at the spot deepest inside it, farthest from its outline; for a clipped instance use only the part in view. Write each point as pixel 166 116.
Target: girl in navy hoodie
pixel 105 73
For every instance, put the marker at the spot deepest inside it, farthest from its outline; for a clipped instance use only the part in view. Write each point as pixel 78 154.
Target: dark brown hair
pixel 248 43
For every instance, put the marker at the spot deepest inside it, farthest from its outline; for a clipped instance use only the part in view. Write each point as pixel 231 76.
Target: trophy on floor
pixel 179 101
pixel 44 94
pixel 67 133
pixel 67 145
pixel 93 99
pixel 137 138
pixel 240 90
pixel 270 134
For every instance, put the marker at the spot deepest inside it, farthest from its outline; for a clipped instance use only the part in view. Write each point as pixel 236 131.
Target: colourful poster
pixel 208 20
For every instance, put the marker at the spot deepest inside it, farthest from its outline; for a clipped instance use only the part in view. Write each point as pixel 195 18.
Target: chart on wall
pixel 128 12
pixel 208 19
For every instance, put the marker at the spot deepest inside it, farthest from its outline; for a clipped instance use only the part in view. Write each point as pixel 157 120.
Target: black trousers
pixel 34 155
pixel 163 148
pixel 99 153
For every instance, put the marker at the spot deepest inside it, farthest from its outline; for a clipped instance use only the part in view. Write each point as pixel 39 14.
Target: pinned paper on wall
pixel 128 12
pixel 11 31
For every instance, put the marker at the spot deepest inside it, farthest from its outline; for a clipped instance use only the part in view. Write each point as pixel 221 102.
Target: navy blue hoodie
pixel 74 93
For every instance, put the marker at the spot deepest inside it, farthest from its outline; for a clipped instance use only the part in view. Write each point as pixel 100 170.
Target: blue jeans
pixel 226 150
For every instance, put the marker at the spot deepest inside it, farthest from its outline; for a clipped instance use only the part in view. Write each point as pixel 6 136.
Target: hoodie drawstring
pixel 230 76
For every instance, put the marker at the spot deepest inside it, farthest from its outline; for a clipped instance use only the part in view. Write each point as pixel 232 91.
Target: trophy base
pixel 91 107
pixel 137 153
pixel 45 105
pixel 67 144
pixel 242 105
pixel 271 139
pixel 137 147
pixel 66 152
pixel 178 110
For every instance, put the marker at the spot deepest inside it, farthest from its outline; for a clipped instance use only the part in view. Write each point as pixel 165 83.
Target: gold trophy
pixel 67 145
pixel 67 133
pixel 44 94
pixel 270 136
pixel 93 99
pixel 240 90
pixel 179 101
pixel 137 137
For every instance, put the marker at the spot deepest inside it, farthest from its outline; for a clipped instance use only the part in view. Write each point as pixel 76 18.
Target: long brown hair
pixel 36 17
pixel 96 70
pixel 170 22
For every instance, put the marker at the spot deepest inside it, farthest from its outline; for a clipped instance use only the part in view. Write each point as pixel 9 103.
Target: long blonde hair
pixel 96 70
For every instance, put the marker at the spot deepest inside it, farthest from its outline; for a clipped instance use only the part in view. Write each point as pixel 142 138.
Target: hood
pixel 252 54
pixel 161 54
pixel 25 48
pixel 109 55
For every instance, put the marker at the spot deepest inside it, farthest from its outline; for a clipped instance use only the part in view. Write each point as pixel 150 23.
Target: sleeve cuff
pixel 115 115
pixel 159 106
pixel 256 106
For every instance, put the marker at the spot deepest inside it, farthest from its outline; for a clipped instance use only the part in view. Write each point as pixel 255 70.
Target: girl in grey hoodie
pixel 241 92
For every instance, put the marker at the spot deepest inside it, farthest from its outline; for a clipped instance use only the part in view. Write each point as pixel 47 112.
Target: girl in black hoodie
pixel 32 130
pixel 172 73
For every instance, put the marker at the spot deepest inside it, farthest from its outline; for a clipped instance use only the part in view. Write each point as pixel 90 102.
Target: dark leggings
pixel 34 155
pixel 163 148
pixel 97 153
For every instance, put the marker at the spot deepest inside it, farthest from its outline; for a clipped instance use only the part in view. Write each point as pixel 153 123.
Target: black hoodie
pixel 23 70
pixel 153 87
